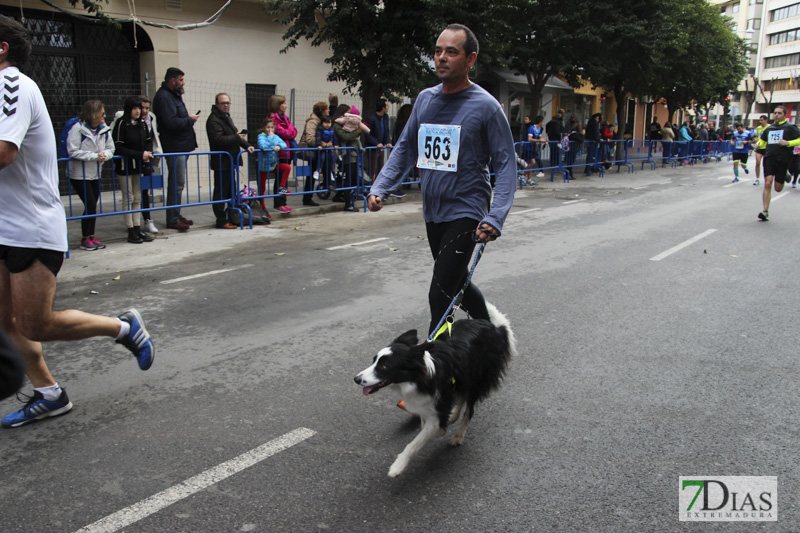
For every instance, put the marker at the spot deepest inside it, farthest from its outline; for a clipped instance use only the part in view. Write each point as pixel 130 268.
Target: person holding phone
pixel 176 129
pixel 223 136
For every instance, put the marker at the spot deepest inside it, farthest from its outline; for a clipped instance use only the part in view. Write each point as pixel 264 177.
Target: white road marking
pixel 153 504
pixel 357 243
pixel 682 245
pixel 526 211
pixel 204 274
pixel 781 195
pixel 731 184
pixel 574 201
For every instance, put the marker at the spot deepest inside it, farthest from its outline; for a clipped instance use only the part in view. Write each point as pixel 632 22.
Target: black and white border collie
pixel 437 379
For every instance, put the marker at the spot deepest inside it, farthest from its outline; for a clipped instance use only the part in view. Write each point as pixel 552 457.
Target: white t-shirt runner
pixel 31 213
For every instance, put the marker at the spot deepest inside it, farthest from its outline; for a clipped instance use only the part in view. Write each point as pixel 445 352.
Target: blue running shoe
pixel 735 180
pixel 745 170
pixel 38 408
pixel 138 340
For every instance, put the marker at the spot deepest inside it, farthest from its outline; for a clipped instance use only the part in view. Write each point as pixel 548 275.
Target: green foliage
pixel 539 39
pixel 377 47
pixel 93 8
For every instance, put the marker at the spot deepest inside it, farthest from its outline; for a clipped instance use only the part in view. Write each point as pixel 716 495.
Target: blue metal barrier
pixel 154 181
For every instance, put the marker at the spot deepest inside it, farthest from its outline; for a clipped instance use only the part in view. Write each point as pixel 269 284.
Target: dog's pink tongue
pixel 367 390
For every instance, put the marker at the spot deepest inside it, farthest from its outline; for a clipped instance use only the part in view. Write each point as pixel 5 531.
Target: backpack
pixel 258 215
pixel 62 137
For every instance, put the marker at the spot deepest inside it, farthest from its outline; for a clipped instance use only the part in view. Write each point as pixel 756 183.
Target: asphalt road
pixel 640 361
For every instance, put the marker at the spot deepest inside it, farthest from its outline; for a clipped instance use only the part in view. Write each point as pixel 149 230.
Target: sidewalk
pixel 171 246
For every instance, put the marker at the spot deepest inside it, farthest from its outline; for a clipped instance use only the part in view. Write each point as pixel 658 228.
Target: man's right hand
pixel 194 117
pixel 374 203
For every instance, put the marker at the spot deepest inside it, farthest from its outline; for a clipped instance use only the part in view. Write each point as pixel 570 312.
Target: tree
pixel 378 48
pixel 703 60
pixel 541 40
pixel 623 51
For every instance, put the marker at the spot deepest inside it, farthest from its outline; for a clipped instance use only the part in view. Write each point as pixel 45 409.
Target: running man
pixel 763 122
pixel 455 129
pixel 780 137
pixel 741 139
pixel 33 239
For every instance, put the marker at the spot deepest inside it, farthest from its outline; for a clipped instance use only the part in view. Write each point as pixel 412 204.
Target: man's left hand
pixel 251 149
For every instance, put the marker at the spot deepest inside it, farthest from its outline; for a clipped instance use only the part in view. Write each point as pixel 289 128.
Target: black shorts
pixel 777 168
pixel 740 156
pixel 20 259
pixel 761 151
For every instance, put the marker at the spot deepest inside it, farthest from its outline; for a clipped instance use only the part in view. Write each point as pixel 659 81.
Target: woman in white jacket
pixel 89 145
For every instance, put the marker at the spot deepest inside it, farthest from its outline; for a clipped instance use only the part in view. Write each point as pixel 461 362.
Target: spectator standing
pixel 526 123
pixel 269 160
pixel 286 131
pixel 150 121
pixel 89 144
pixel 224 136
pixel 33 239
pixel 458 204
pixel 535 142
pixel 378 138
pixel 325 139
pixel 176 127
pixel 653 135
pixel 781 136
pixel 350 157
pixel 592 139
pixel 555 134
pixel 133 142
pixel 685 138
pixel 309 140
pixel 667 138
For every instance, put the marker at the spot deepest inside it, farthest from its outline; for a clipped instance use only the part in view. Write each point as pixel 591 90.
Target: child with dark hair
pixel 133 141
pixel 270 145
pixel 326 141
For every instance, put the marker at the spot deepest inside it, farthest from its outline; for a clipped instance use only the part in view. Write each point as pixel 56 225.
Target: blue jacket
pixel 379 132
pixel 269 157
pixel 175 126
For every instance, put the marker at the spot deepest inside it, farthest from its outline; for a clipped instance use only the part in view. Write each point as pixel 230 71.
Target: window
pixel 782 61
pixel 784 37
pixel 784 12
pixel 735 8
pixel 754 24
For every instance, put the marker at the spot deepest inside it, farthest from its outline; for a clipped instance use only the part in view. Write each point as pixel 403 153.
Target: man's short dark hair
pixel 380 105
pixel 765 117
pixel 781 106
pixel 471 43
pixel 18 39
pixel 216 98
pixel 172 73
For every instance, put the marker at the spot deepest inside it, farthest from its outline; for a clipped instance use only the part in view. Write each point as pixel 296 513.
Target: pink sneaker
pixel 99 245
pixel 285 209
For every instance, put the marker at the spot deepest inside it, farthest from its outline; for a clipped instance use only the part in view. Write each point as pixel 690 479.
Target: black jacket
pixel 130 142
pixel 175 126
pixel 223 136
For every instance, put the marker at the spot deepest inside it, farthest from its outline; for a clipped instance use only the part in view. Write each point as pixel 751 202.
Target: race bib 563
pixel 438 147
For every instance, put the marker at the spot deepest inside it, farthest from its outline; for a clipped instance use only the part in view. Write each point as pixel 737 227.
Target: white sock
pixel 50 393
pixel 124 329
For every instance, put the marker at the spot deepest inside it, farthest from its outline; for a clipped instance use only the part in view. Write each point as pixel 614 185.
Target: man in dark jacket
pixel 555 134
pixel 176 129
pixel 379 136
pixel 592 140
pixel 223 136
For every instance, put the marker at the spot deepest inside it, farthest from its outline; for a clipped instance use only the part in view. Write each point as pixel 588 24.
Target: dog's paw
pixel 397 468
pixel 456 440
